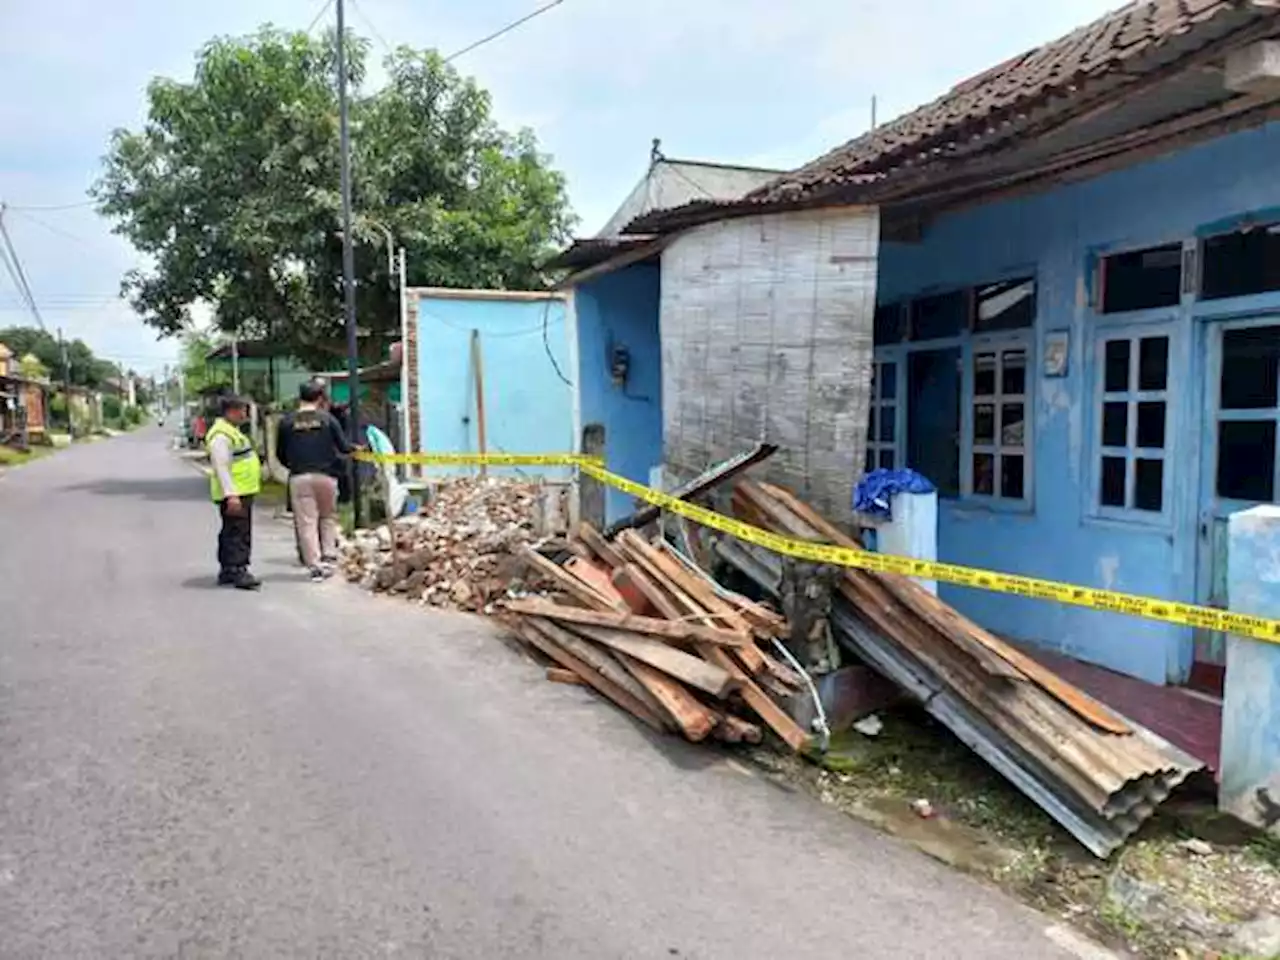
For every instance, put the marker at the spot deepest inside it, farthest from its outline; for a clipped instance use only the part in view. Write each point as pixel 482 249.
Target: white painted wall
pixel 766 335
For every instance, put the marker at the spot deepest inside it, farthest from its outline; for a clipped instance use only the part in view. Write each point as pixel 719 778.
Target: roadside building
pixel 1055 291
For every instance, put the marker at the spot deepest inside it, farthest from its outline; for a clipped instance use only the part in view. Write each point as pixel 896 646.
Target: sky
pixel 758 82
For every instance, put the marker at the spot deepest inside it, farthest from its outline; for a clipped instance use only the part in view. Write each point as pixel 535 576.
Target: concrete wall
pixel 620 310
pixel 766 335
pixel 1058 236
pixel 528 405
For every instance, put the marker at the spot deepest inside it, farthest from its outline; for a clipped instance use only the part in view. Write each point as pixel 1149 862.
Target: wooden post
pixel 477 366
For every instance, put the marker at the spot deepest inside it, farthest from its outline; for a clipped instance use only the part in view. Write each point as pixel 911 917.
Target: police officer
pixel 234 481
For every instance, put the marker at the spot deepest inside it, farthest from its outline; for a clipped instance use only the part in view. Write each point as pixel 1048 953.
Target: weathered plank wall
pixel 766 327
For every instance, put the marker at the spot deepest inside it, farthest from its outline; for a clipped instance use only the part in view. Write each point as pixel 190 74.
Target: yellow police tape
pixel 1184 614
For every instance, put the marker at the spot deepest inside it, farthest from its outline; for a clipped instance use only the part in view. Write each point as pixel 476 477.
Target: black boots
pixel 241 579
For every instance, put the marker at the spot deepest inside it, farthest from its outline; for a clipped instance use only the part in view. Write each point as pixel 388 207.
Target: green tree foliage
pixel 31 367
pixel 231 189
pixel 86 369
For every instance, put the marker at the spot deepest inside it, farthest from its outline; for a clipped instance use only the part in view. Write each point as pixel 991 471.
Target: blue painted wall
pixel 528 405
pixel 1058 235
pixel 620 309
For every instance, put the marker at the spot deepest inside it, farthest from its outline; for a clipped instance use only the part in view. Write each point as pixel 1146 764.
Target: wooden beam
pixel 561 675
pixel 602 662
pixel 683 666
pixel 694 719
pixel 650 626
pixel 585 594
pixel 598 545
pixel 605 687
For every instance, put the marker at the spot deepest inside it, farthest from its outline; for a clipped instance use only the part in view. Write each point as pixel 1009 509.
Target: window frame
pixel 1134 333
pixel 999 343
pixel 877 406
pixel 970 343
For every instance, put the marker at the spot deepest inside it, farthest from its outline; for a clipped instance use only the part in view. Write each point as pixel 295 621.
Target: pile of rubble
pixel 458 551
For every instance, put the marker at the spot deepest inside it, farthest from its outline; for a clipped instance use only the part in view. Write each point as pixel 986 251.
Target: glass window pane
pixel 1153 363
pixel 1111 492
pixel 1115 424
pixel 942 315
pixel 886 459
pixel 1011 476
pixel 984 374
pixel 1005 306
pixel 1151 424
pixel 1142 279
pixel 869 462
pixel 1241 263
pixel 984 474
pixel 1246 460
pixel 888 425
pixel 873 430
pixel 1012 424
pixel 1249 364
pixel 984 423
pixel 889 325
pixel 1116 365
pixel 1014 378
pixel 888 381
pixel 1148 485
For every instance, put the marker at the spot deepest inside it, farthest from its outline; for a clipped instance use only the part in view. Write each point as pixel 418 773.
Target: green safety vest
pixel 246 468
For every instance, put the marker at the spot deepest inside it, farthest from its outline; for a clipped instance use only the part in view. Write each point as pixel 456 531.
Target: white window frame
pixel 1134 333
pixel 999 344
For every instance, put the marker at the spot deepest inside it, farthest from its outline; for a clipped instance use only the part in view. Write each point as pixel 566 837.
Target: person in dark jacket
pixel 309 441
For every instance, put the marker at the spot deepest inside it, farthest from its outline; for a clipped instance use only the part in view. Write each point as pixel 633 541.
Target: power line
pixel 51 207
pixel 359 11
pixel 16 272
pixel 319 16
pixel 66 234
pixel 505 30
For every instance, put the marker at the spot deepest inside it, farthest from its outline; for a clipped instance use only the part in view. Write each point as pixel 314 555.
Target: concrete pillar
pixel 913 531
pixel 1251 699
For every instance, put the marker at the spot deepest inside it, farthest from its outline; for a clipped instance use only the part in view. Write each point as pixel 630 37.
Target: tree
pixel 231 189
pixel 31 367
pixel 86 369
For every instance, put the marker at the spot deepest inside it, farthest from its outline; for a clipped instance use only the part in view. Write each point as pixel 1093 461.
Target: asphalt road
pixel 310 772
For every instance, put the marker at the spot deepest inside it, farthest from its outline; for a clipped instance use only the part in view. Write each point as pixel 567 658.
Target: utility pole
pixel 405 425
pixel 66 377
pixel 235 365
pixel 348 254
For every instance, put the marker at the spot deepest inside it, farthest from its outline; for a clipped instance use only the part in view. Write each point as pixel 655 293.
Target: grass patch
pixel 982 824
pixel 10 457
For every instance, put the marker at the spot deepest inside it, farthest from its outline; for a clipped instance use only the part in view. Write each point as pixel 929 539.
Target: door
pixel 1242 404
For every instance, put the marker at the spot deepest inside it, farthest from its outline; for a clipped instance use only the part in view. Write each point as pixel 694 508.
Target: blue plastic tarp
pixel 873 496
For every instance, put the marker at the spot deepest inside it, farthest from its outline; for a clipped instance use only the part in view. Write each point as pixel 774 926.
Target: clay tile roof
pixel 1136 39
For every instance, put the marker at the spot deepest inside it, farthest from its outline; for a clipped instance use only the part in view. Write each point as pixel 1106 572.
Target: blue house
pixel 1075 325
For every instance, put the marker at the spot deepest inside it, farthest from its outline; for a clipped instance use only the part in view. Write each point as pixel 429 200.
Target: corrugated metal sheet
pixel 1099 785
pixel 766 336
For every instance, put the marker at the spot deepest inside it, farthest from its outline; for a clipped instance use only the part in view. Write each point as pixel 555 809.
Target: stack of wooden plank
pixel 650 631
pixel 1099 774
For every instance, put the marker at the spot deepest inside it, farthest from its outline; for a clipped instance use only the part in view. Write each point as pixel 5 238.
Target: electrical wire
pixel 51 207
pixel 13 263
pixel 369 25
pixel 66 234
pixel 319 16
pixel 505 30
pixel 546 344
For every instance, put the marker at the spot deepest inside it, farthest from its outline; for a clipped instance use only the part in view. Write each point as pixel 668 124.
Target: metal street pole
pixel 348 255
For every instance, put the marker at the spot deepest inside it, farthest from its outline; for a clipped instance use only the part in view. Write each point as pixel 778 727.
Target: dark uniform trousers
pixel 235 539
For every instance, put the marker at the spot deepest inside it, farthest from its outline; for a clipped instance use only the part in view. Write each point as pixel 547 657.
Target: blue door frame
pixel 1211 553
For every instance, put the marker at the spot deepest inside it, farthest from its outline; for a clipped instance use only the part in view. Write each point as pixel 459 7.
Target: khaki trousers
pixel 315 515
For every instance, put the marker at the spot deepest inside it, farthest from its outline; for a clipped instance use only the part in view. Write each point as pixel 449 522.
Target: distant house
pixel 1055 291
pixel 23 400
pixel 267 372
